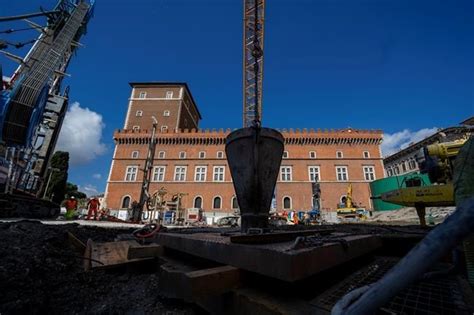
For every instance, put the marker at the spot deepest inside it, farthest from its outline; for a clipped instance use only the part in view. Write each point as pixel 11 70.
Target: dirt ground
pixel 40 272
pixel 408 215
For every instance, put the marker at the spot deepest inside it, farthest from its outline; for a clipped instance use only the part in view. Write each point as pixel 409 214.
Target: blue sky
pixel 402 66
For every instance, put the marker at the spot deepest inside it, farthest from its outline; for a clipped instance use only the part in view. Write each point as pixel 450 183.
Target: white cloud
pixel 97 176
pixel 400 140
pixel 81 135
pixel 89 190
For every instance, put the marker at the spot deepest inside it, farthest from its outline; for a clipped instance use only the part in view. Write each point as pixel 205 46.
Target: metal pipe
pixel 24 16
pixel 427 253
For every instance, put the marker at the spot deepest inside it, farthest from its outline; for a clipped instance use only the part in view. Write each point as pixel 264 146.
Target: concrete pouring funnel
pixel 254 155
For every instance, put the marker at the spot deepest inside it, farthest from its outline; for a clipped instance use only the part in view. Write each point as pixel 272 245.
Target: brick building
pixel 193 161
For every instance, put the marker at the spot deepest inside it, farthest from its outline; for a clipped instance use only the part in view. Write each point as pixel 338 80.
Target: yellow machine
pixel 436 161
pixel 348 210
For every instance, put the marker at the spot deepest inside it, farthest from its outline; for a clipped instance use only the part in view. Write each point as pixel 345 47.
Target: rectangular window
pixel 219 172
pixel 366 154
pixel 142 95
pixel 131 173
pixel 369 173
pixel 159 173
pixel 182 155
pixel 339 154
pixel 169 94
pixel 404 166
pixel 285 174
pixel 180 173
pixel 202 155
pixel 341 172
pixel 314 174
pixel 200 174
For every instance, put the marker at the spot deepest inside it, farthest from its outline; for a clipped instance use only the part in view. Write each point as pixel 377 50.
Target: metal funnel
pixel 254 155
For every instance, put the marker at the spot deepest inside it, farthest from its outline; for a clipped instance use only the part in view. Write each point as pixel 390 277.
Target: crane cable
pixel 4 44
pixel 12 30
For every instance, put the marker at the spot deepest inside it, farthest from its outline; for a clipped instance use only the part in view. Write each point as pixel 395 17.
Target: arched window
pixel 286 203
pixel 198 202
pixel 343 201
pixel 235 203
pixel 139 113
pixel 126 202
pixel 216 204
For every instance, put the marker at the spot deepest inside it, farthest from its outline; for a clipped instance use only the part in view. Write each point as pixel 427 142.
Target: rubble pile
pixel 408 215
pixel 41 272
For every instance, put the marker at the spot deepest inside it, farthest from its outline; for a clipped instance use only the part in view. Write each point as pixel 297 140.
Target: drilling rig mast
pixel 254 14
pixel 33 105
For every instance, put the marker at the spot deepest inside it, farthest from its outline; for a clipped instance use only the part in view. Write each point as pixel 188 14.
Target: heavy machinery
pixel 436 160
pixel 32 108
pixel 347 209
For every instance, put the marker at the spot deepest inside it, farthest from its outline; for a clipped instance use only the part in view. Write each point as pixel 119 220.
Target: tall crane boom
pixel 254 14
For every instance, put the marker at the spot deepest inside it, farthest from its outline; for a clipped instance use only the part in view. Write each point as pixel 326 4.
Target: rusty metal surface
pixel 277 237
pixel 435 296
pixel 254 156
pixel 279 260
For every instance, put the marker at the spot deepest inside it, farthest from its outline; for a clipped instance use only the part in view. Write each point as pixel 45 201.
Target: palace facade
pixel 192 161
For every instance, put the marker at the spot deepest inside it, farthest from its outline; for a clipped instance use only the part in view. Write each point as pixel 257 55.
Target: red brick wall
pixel 299 189
pixel 182 110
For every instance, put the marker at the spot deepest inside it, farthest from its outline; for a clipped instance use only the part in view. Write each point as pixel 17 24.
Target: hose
pixel 427 253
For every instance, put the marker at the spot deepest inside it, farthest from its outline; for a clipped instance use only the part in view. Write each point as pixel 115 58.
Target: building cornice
pixel 217 137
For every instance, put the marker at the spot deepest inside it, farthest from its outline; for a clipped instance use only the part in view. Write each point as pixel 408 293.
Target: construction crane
pixel 33 105
pixel 254 14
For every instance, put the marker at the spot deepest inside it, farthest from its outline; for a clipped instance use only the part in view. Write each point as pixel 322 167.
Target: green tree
pixel 57 185
pixel 72 190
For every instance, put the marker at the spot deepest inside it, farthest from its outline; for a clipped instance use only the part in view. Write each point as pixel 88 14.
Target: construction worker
pixel 71 207
pixel 93 206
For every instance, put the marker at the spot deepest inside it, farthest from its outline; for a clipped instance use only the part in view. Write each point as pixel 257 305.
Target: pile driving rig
pixel 436 160
pixel 32 109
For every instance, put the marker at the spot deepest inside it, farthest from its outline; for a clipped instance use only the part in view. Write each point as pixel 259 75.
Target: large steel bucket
pixel 254 156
